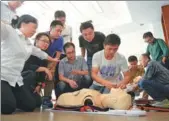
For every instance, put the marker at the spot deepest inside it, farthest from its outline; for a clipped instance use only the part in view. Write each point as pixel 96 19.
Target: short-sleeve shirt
pixel 56 45
pixel 67 34
pixel 94 46
pixel 109 69
pixel 135 73
pixel 65 68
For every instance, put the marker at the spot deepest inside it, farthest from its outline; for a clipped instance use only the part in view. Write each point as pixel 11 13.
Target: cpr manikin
pixel 116 99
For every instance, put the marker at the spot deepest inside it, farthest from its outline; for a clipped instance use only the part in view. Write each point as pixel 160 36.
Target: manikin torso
pixel 116 99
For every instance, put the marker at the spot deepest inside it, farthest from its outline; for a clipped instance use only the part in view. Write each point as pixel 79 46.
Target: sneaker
pixel 162 104
pixel 46 102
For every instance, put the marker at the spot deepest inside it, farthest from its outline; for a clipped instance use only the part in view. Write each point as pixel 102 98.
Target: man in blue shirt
pixel 55 50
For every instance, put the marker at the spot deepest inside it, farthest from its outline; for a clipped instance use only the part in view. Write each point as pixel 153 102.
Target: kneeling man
pixel 155 81
pixel 107 66
pixel 73 72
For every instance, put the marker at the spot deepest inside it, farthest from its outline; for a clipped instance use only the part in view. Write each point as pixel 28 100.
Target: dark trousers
pixel 29 79
pixel 63 87
pixel 15 97
pixel 156 90
pixel 166 64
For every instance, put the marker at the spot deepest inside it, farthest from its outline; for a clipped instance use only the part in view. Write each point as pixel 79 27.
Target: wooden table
pixel 65 116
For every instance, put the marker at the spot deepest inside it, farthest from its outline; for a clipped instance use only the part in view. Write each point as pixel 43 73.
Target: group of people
pixel 51 63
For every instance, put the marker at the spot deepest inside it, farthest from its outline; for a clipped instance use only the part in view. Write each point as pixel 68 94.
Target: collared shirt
pixel 158 49
pixel 15 50
pixel 156 72
pixel 65 68
pixel 67 34
pixel 56 45
pixel 6 13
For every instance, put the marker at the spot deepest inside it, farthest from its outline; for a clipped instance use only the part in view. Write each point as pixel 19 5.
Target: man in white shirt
pixel 107 65
pixel 67 30
pixel 8 10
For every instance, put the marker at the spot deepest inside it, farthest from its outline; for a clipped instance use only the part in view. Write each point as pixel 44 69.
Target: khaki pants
pixel 49 84
pixel 48 88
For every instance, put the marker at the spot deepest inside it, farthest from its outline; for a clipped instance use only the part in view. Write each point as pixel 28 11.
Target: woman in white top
pixel 15 50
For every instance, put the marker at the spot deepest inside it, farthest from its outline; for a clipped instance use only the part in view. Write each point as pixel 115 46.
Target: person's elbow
pixel 60 77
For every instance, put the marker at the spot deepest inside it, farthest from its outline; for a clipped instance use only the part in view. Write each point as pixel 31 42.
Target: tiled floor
pixel 65 116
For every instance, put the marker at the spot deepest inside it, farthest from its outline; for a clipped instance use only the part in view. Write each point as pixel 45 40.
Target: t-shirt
pixel 56 45
pixel 67 34
pixel 94 46
pixel 135 73
pixel 109 69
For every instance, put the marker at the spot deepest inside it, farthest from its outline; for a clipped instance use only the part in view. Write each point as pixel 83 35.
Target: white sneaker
pixel 162 104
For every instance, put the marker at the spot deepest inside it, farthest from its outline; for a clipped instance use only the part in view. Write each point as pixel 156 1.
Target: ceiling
pixel 106 15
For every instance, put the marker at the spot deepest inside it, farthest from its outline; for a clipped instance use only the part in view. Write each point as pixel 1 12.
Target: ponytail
pixel 14 21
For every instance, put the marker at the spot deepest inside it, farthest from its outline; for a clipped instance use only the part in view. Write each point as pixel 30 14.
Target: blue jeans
pixel 101 89
pixel 156 90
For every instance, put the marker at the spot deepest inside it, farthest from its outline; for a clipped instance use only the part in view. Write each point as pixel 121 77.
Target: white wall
pixel 158 30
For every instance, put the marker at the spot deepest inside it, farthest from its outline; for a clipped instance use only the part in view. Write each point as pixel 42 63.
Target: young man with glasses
pixel 73 72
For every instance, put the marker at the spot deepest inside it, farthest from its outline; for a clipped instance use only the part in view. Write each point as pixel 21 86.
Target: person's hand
pixel 75 72
pixel 49 74
pixel 121 85
pixel 37 90
pixel 109 85
pixel 72 84
pixel 164 60
pixel 56 60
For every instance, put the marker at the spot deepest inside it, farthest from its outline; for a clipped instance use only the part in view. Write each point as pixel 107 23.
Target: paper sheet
pixel 110 112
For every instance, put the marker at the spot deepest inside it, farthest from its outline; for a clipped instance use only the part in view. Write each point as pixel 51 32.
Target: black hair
pixel 67 45
pixel 147 34
pixel 39 35
pixel 54 23
pixel 146 55
pixel 112 39
pixel 86 25
pixel 16 23
pixel 132 58
pixel 59 14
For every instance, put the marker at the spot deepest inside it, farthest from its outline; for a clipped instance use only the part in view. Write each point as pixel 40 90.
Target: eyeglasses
pixel 47 42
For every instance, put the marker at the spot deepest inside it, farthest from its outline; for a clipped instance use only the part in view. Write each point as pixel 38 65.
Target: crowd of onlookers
pixel 51 63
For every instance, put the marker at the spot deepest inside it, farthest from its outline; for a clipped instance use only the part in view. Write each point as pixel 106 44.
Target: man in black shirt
pixel 91 41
